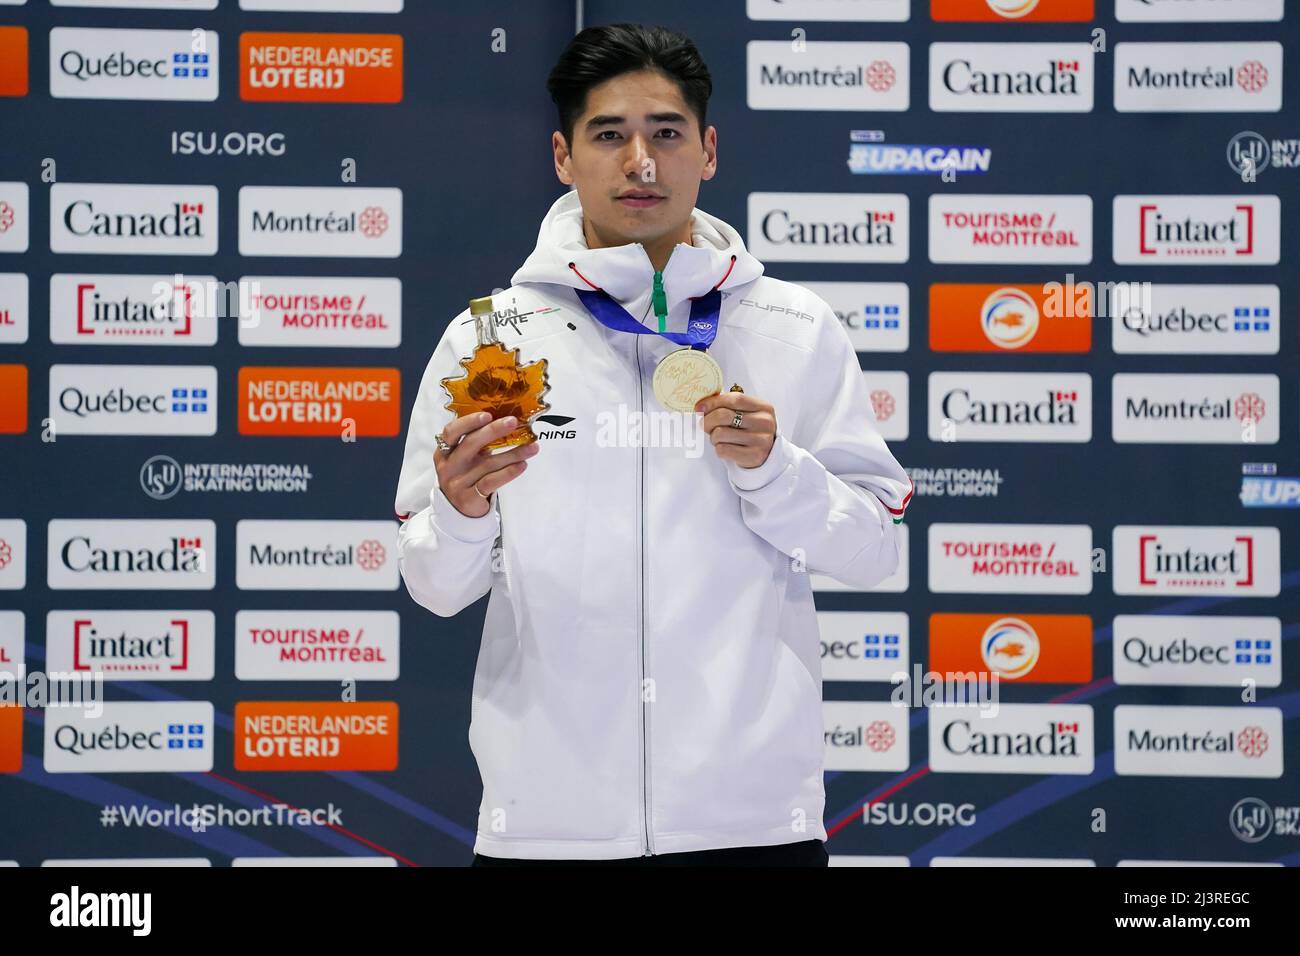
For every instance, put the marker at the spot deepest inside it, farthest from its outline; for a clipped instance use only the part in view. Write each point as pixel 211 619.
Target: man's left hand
pixel 748 445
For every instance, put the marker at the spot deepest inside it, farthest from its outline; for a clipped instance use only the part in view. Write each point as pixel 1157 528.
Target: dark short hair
pixel 601 53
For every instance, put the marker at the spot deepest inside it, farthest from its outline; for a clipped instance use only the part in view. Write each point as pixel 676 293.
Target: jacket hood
pixel 625 272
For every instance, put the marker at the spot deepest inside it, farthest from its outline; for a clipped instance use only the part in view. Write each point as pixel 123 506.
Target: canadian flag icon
pixel 191 542
pixel 192 207
pixel 1062 728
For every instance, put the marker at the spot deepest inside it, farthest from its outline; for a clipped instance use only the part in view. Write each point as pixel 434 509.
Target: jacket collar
pixel 625 272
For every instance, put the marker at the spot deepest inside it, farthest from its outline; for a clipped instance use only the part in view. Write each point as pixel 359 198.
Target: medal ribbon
pixel 701 328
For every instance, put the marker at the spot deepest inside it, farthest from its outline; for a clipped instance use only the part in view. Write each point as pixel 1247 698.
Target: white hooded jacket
pixel 649 678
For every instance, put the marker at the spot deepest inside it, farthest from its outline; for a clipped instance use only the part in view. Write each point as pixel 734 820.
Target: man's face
pixel 636 158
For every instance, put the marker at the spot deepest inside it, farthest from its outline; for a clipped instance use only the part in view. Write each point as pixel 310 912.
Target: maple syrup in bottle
pixel 496 382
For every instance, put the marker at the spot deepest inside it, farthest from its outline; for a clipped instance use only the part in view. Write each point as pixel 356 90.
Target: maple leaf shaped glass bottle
pixel 496 382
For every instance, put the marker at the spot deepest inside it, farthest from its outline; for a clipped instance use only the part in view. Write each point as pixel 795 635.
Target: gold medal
pixel 684 376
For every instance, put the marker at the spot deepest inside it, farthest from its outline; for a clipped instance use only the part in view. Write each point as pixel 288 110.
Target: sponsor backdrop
pixel 1060 234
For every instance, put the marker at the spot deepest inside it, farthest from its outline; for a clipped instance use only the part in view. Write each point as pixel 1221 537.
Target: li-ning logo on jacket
pixel 559 421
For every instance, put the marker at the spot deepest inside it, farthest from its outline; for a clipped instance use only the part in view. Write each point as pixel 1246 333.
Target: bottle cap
pixel 481 306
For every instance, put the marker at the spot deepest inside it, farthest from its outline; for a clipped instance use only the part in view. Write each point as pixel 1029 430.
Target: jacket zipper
pixel 647 840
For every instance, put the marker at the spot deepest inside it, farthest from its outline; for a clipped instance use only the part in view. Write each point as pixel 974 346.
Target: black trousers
pixel 806 853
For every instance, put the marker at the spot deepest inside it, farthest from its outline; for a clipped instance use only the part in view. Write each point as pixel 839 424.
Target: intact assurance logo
pixel 1197 320
pixel 128 219
pixel 320 221
pixel 1011 77
pixel 983 317
pixel 1198 77
pixel 1197 559
pixel 323 402
pixel 866 736
pixel 316 555
pixel 133 399
pixel 13 61
pixel 314 735
pixel 1024 648
pixel 1010 558
pixel 827 76
pixel 1198 741
pixel 15 217
pixel 320 67
pixel 1018 738
pixel 133 64
pixel 13 399
pixel 331 312
pixel 132 645
pixel 130 737
pixel 1021 11
pixel 829 227
pixel 1010 406
pixel 1196 230
pixel 128 554
pixel 130 310
pixel 1195 409
pixel 1009 228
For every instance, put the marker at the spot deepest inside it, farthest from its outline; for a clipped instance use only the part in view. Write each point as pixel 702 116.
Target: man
pixel 649 681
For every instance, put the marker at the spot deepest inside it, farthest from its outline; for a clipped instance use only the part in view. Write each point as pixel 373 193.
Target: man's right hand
pixel 467 464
